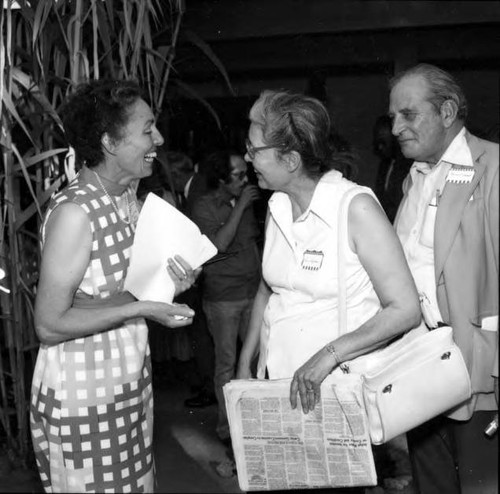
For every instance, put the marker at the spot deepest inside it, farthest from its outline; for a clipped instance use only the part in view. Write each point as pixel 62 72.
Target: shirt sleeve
pixel 204 215
pixel 493 221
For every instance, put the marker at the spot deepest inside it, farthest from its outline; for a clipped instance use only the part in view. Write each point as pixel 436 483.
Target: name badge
pixel 312 260
pixel 462 175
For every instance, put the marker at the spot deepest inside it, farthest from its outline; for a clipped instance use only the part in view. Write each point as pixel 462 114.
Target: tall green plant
pixel 48 47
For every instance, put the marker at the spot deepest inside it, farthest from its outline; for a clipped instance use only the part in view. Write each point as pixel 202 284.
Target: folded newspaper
pixel 278 448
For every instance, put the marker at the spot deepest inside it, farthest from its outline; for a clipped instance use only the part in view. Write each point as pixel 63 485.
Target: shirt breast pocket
pixel 427 230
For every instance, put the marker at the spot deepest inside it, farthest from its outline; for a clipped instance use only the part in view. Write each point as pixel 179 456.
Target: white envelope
pixel 162 232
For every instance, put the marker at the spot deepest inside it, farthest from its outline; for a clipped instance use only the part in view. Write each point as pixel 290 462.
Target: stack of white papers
pixel 163 232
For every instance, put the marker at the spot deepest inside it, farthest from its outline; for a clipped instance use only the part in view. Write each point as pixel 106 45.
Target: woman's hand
pixel 308 378
pixel 182 274
pixel 170 315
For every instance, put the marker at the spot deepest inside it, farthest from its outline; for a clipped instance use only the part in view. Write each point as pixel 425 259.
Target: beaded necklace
pixel 127 220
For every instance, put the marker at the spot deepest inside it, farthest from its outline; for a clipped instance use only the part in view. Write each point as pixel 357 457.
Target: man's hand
pixel 248 195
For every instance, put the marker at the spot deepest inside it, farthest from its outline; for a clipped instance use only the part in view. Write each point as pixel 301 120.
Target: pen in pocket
pixel 435 200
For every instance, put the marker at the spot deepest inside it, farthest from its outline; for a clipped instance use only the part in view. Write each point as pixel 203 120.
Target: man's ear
pixel 292 161
pixel 448 111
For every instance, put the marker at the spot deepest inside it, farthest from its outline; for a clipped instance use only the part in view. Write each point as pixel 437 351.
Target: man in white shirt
pixel 448 225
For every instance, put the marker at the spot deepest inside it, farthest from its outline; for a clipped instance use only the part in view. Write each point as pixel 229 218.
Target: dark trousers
pixel 454 457
pixel 202 343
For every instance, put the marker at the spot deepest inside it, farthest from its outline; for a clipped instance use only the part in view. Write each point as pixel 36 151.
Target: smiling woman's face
pixel 270 172
pixel 136 150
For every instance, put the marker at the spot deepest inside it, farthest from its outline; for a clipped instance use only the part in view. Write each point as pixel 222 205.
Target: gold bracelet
pixel 331 350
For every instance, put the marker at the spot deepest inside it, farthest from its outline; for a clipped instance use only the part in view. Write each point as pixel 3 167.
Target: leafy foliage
pixel 48 47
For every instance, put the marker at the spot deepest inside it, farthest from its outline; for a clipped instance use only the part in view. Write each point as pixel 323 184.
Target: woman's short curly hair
pixel 96 108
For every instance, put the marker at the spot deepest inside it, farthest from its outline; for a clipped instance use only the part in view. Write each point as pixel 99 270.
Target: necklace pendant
pixel 133 213
pixel 121 216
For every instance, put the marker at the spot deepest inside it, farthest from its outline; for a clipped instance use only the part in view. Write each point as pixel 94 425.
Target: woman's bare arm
pixel 65 258
pixel 251 343
pixel 373 239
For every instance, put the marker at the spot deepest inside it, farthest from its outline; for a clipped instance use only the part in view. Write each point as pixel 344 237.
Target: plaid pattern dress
pixel 91 410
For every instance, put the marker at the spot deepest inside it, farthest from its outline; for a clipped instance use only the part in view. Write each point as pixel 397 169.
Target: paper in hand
pixel 163 232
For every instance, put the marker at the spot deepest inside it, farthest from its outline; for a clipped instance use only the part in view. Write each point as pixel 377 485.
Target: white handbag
pixel 410 381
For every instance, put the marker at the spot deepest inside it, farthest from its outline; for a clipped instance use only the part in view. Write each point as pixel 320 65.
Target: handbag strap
pixel 342 239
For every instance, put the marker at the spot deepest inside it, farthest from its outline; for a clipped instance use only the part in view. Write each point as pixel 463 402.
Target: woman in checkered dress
pixel 92 404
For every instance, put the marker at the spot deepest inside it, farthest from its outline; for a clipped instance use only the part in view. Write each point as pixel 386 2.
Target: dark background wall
pixel 340 51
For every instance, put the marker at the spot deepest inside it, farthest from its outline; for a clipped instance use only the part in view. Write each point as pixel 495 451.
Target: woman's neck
pixel 114 173
pixel 113 187
pixel 301 192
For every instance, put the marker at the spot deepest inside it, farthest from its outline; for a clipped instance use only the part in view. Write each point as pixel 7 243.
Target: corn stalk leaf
pixel 26 81
pixel 26 177
pixel 33 160
pixel 42 11
pixel 8 103
pixel 205 48
pixel 104 25
pixel 189 91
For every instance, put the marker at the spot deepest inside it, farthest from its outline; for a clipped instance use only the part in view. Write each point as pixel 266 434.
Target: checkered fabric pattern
pixel 92 404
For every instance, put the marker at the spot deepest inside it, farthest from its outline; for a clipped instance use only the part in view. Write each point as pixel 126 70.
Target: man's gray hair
pixel 442 86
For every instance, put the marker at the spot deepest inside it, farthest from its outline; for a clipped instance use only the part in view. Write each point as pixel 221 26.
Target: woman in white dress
pixel 295 313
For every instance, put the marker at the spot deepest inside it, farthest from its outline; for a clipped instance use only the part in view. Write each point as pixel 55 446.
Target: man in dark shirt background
pixel 230 280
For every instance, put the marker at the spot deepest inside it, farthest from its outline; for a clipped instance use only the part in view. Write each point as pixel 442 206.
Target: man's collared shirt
pixel 416 220
pixel 237 276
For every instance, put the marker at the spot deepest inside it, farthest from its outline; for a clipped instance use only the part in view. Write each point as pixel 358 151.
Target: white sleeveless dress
pixel 300 266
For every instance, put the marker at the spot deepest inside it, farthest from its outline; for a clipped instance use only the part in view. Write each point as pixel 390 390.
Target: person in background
pixel 91 411
pixel 230 280
pixel 392 169
pixel 188 185
pixel 180 168
pixel 155 183
pixel 170 350
pixel 448 225
pixel 295 317
pixel 171 180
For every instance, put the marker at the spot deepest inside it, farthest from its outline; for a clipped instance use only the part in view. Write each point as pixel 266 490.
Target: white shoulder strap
pixel 342 240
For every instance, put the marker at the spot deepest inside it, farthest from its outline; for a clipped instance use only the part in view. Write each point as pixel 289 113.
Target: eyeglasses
pixel 252 150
